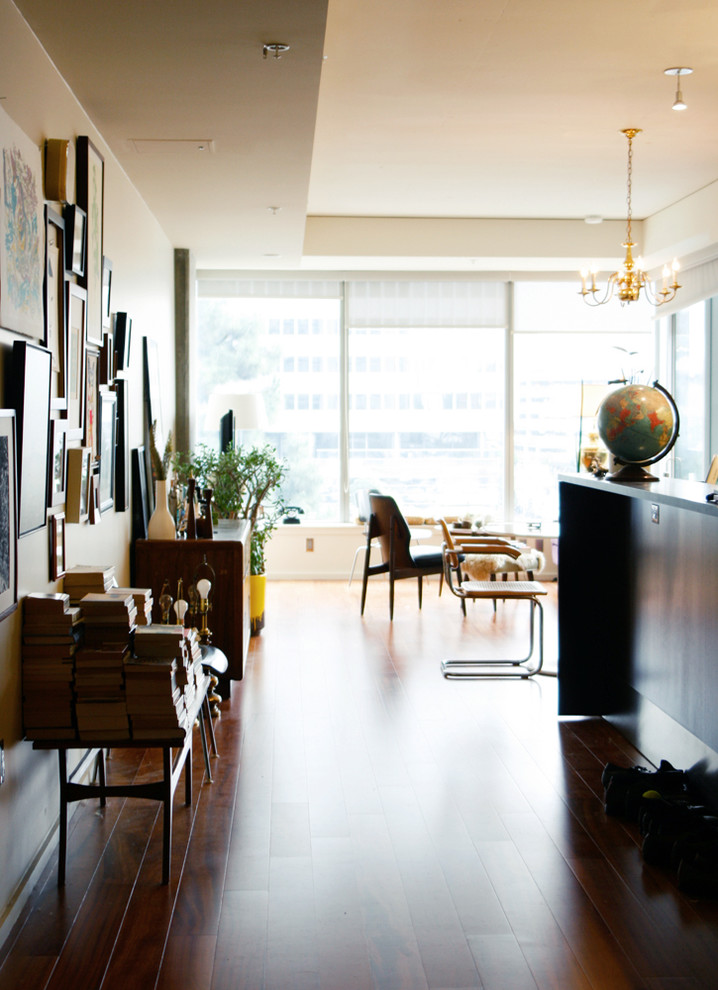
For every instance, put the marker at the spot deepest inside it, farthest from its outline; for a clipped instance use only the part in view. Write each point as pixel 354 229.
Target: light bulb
pixel 203 586
pixel 180 609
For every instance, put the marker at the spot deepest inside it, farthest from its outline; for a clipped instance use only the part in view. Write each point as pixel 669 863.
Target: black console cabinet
pixel 638 613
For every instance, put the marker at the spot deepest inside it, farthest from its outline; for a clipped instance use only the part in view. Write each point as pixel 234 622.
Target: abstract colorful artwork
pixel 22 233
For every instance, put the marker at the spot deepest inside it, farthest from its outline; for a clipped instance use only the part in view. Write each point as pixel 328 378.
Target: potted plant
pixel 246 484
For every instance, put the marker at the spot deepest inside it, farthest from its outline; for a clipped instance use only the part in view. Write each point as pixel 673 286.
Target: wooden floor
pixel 371 825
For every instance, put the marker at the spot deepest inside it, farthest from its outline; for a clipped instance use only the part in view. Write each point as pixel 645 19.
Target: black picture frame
pixel 30 385
pixel 75 239
pixel 153 389
pixel 76 323
pixel 57 463
pixel 122 447
pixel 55 301
pixel 8 513
pixel 106 293
pixel 90 183
pixel 58 564
pixel 107 448
pixel 123 339
pixel 140 505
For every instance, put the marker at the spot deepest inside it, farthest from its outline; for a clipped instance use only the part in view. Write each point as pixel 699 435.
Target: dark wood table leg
pixel 167 814
pixel 62 851
pixel 203 737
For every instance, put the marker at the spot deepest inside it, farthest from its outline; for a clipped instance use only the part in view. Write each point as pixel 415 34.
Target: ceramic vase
pixel 161 525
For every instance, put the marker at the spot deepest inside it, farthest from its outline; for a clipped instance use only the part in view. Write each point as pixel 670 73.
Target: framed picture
pixel 95 514
pixel 57 474
pixel 152 389
pixel 122 447
pixel 90 180
pixel 57 546
pixel 107 441
pixel 106 292
pixel 92 400
pixel 22 232
pixel 140 505
pixel 75 237
pixel 78 480
pixel 107 359
pixel 55 302
pixel 76 320
pixel 30 384
pixel 8 513
pixel 123 333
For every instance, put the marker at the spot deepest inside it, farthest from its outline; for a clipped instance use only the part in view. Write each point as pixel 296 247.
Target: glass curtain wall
pixel 449 407
pixel 559 344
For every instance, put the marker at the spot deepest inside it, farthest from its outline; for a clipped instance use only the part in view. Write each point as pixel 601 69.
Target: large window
pixel 426 417
pixel 423 390
pixel 286 352
pixel 558 344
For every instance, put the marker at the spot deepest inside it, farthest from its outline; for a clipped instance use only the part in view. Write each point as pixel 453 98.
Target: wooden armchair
pixel 399 559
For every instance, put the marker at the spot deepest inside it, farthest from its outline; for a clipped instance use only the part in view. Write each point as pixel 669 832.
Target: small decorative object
pixel 191 518
pixel 161 525
pixel 204 581
pixel 165 601
pixel 180 610
pixel 293 514
pixel 639 425
pixel 204 523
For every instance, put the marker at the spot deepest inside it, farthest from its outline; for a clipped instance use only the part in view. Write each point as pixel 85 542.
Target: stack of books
pixel 86 578
pixel 155 682
pixel 109 619
pixel 99 666
pixel 143 602
pixel 100 705
pixel 51 632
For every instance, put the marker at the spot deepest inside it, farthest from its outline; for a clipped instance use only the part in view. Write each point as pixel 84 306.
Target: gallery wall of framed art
pixel 44 300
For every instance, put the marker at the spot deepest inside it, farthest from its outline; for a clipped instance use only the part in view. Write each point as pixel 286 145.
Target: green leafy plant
pixel 247 484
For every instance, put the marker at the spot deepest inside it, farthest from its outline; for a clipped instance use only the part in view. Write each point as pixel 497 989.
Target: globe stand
pixel 631 472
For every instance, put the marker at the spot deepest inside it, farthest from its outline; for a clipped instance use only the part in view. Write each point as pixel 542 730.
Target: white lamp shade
pixel 248 409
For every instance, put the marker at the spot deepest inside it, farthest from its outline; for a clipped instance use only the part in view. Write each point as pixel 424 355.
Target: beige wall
pixel 36 98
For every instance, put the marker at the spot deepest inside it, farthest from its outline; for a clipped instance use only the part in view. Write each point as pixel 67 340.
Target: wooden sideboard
pixel 638 614
pixel 157 560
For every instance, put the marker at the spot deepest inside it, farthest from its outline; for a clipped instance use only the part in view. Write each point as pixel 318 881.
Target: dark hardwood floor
pixel 371 825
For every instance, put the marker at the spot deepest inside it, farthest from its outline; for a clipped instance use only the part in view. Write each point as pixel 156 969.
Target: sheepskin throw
pixel 480 567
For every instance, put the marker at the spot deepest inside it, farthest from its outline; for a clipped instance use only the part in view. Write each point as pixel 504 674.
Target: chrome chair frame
pixel 528 591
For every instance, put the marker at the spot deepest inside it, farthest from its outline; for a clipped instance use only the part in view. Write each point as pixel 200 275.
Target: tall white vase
pixel 161 525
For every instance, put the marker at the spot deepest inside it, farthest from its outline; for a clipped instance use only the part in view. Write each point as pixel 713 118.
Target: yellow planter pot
pixel 257 588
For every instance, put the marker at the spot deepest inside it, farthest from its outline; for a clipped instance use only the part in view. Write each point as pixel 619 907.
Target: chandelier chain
pixel 629 213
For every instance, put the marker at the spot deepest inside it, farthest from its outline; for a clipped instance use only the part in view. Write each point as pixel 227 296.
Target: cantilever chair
pixel 398 558
pixel 528 591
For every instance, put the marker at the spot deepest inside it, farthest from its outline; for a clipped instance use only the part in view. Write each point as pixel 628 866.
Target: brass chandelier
pixel 631 278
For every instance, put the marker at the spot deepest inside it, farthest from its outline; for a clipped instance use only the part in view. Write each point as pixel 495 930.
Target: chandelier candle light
pixel 631 278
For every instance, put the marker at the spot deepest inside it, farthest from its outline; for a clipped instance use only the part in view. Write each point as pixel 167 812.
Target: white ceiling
pixel 387 108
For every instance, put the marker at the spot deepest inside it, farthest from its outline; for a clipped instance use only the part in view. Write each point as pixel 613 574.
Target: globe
pixel 639 425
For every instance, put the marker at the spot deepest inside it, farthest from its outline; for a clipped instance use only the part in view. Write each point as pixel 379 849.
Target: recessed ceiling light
pixel 593 218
